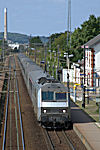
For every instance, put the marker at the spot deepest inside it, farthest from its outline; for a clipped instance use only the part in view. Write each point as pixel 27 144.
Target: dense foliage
pixel 80 36
pixel 89 29
pixel 35 41
pixel 0 43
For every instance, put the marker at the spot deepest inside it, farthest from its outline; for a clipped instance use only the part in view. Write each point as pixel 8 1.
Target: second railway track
pixel 57 140
pixel 13 138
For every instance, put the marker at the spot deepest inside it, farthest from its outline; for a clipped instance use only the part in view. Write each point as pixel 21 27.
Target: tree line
pixel 88 30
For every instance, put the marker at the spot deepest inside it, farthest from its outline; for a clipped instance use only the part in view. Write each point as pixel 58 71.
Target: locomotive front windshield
pixel 47 96
pixel 60 96
pixel 53 96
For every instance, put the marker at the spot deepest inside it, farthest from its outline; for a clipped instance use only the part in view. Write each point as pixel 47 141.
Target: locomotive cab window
pixel 60 96
pixel 47 96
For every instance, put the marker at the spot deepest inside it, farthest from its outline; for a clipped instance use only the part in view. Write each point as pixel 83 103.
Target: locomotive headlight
pixel 44 111
pixel 64 111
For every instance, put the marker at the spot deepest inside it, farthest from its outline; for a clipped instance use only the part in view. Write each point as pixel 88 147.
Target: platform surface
pixel 89 133
pixel 85 127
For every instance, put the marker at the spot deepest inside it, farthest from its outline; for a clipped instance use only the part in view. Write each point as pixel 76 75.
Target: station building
pixel 92 65
pixel 92 62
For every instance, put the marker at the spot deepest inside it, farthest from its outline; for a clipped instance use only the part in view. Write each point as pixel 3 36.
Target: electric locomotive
pixel 49 96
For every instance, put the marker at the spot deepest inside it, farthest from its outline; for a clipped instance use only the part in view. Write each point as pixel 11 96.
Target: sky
pixel 45 17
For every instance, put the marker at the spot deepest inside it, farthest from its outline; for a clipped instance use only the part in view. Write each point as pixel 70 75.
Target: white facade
pixel 92 61
pixel 88 67
pixel 13 46
pixel 97 61
pixel 74 75
pixel 96 48
pixel 71 75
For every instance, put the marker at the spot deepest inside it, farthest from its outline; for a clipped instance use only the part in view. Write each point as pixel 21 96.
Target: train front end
pixel 55 110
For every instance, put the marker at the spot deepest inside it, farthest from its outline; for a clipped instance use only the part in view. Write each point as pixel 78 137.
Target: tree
pixel 0 43
pixel 88 30
pixel 35 40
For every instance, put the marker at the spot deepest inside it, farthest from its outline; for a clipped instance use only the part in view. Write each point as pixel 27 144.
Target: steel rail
pixel 21 125
pixel 48 139
pixel 8 70
pixel 6 114
pixel 16 117
pixel 68 141
pixel 10 103
pixel 7 92
pixel 57 136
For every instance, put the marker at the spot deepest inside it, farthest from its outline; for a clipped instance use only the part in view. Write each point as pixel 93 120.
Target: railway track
pixel 13 131
pixel 57 140
pixel 13 138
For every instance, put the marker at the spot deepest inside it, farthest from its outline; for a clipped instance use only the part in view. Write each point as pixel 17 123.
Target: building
pixel 92 61
pixel 74 74
pixel 14 45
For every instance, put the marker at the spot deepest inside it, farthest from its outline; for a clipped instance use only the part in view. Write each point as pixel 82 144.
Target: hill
pixel 44 39
pixel 22 38
pixel 16 37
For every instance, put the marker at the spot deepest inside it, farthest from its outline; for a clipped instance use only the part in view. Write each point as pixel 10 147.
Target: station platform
pixel 85 127
pixel 89 134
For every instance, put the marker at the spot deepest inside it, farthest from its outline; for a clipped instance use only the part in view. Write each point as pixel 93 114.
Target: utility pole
pixel 67 54
pixel 83 105
pixel 29 45
pixel 45 69
pixel 50 46
pixel 35 54
pixel 68 89
pixel 68 31
pixel 3 47
pixel 67 61
pixel 58 64
pixel 35 50
pixel 69 22
pixel 58 58
pixel 50 52
pixel 49 42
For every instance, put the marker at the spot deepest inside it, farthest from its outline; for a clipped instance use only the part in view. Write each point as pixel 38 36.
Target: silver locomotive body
pixel 49 97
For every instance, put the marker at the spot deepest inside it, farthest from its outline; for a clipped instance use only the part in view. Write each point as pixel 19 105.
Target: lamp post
pixel 54 63
pixel 83 105
pixel 50 59
pixel 45 68
pixel 48 66
pixel 35 51
pixel 58 63
pixel 56 72
pixel 67 59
